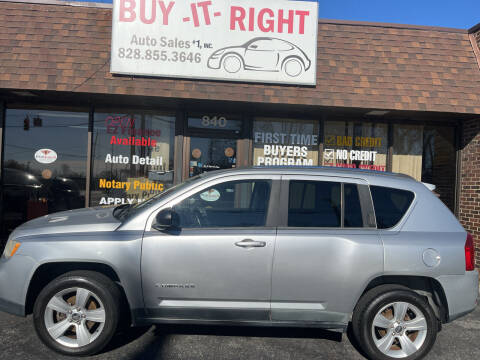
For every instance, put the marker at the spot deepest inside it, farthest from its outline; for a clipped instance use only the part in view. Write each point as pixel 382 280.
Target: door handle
pixel 249 243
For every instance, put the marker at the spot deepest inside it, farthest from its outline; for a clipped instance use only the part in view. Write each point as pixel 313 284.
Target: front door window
pixel 231 204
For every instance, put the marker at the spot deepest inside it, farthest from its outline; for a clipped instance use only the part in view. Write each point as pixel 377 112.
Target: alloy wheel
pixel 75 317
pixel 399 329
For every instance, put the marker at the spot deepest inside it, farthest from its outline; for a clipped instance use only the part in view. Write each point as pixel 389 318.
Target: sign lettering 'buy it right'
pixel 242 40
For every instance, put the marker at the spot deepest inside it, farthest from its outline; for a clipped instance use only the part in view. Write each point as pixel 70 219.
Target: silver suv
pixel 268 247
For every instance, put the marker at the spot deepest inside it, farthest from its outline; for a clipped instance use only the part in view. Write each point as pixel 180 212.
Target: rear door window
pixel 390 205
pixel 314 204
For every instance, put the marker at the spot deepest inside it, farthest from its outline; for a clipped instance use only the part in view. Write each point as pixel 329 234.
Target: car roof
pixel 314 170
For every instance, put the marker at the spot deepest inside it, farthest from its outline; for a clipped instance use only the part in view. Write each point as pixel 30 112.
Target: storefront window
pixel 281 142
pixel 427 153
pixel 132 156
pixel 45 162
pixel 356 145
pixel 439 161
pixel 408 150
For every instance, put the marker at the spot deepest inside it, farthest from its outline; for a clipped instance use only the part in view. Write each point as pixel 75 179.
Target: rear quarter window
pixel 390 205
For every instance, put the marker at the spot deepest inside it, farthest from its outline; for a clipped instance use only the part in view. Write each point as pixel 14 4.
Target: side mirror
pixel 165 220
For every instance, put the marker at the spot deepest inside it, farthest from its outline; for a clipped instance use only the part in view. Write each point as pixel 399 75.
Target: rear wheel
pixel 392 322
pixel 293 67
pixel 77 313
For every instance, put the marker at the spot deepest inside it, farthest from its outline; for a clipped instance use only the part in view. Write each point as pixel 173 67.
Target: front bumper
pixel 461 292
pixel 308 64
pixel 214 62
pixel 15 275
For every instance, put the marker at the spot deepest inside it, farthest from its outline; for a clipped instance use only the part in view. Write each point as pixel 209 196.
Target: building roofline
pixel 63 3
pixel 474 28
pixel 392 25
pixel 320 21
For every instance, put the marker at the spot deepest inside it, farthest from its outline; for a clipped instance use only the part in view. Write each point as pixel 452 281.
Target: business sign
pixel 270 41
pixel 45 156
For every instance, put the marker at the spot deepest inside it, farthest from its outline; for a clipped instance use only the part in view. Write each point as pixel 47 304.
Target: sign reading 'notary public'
pixel 271 41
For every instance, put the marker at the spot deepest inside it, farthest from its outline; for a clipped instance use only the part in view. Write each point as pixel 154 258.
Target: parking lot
pixel 458 340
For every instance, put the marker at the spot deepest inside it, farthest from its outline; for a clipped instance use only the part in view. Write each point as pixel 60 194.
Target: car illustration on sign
pixel 262 54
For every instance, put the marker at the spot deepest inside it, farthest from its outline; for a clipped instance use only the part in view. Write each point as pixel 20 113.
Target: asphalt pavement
pixel 458 340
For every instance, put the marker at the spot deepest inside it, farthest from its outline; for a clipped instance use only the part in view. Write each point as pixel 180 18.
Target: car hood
pixel 72 221
pixel 238 48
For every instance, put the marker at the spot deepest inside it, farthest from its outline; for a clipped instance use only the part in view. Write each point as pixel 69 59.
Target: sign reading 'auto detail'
pixel 271 41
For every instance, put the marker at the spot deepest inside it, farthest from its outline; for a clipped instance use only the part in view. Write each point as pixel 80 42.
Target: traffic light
pixel 37 121
pixel 26 123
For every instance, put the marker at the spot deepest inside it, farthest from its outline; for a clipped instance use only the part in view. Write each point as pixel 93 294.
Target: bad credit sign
pixel 269 41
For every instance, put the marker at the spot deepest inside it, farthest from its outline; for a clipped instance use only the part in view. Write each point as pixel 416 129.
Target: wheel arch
pixel 427 287
pixel 233 53
pixel 47 272
pixel 294 57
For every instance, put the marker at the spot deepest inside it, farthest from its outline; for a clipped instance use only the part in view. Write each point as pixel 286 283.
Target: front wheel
pixel 232 63
pixel 392 322
pixel 77 313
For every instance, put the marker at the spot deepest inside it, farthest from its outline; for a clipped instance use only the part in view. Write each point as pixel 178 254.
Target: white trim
pixel 264 305
pixel 297 306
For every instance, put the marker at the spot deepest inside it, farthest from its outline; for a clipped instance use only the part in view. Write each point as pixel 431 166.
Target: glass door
pixel 208 154
pixel 212 143
pixel 45 156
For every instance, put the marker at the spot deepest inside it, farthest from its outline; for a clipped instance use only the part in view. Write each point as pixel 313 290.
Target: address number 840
pixel 161 55
pixel 214 121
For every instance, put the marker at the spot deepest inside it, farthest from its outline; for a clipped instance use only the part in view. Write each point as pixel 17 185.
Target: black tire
pixel 102 287
pixel 374 301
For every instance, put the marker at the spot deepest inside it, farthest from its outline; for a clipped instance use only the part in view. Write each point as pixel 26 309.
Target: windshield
pixel 124 212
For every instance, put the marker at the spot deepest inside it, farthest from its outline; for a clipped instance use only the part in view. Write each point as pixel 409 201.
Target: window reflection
pixel 242 203
pixel 427 153
pixel 408 150
pixel 439 161
pixel 208 154
pixel 45 164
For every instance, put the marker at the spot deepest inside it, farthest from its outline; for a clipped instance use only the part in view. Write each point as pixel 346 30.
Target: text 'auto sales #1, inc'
pixel 269 41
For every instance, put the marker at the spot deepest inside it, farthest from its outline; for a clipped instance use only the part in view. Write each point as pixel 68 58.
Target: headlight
pixel 218 53
pixel 11 248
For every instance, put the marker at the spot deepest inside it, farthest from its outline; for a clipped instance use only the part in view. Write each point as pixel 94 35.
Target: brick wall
pixel 362 65
pixel 470 182
pixel 470 177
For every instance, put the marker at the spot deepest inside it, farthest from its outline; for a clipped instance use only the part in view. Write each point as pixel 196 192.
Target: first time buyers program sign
pixel 270 41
